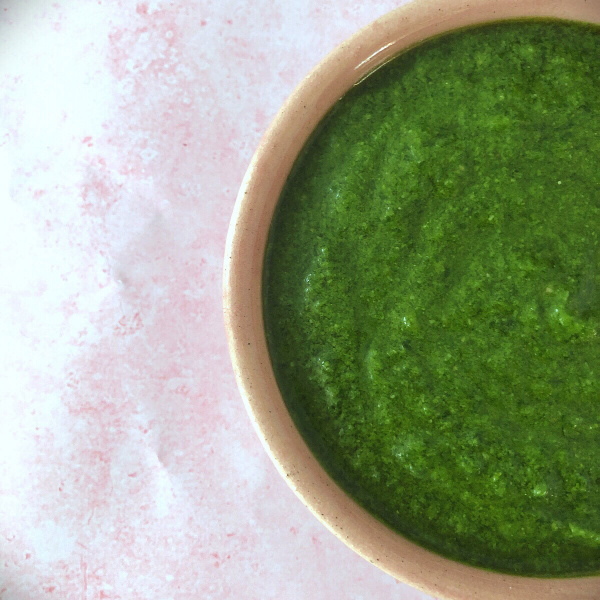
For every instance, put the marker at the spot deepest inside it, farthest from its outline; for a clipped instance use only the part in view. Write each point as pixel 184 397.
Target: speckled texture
pixel 129 469
pixel 431 296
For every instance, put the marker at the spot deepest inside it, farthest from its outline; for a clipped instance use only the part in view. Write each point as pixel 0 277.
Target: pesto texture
pixel 431 296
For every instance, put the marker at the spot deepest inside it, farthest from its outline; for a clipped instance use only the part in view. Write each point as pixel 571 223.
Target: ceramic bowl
pixel 247 237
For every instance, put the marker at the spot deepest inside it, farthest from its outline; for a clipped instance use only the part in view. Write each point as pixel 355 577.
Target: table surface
pixel 129 467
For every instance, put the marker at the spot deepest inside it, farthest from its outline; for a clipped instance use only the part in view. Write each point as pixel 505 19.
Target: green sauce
pixel 431 296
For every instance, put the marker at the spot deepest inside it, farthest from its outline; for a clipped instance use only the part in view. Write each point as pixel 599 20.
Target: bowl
pixel 247 237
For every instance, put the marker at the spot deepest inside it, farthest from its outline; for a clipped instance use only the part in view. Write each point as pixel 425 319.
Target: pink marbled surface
pixel 128 467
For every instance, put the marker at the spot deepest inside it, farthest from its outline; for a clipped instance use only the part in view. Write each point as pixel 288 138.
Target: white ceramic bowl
pixel 260 191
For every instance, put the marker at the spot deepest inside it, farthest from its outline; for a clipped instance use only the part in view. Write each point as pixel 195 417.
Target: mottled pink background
pixel 128 467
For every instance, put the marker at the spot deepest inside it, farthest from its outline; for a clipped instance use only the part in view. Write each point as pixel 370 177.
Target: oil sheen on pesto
pixel 432 296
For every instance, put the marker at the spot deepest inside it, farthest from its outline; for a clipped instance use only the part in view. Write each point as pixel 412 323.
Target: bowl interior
pixel 246 242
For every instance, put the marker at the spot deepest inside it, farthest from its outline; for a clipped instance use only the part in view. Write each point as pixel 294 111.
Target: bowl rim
pixel 342 68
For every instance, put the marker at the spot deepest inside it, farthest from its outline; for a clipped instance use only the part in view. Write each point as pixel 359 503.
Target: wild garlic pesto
pixel 431 295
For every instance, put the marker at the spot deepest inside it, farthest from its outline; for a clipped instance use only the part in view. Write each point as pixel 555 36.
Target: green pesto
pixel 431 296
